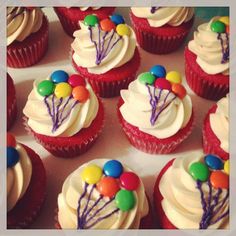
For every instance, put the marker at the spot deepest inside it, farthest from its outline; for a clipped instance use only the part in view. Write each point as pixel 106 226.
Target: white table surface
pixel 112 142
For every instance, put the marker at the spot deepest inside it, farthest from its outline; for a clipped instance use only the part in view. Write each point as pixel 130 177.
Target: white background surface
pixel 112 142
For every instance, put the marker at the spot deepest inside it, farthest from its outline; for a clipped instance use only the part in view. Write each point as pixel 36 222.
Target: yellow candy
pixel 91 174
pixel 122 29
pixel 174 77
pixel 226 167
pixel 63 90
pixel 224 19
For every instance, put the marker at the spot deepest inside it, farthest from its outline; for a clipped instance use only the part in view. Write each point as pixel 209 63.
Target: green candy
pixel 91 20
pixel 218 27
pixel 147 78
pixel 46 88
pixel 125 200
pixel 199 171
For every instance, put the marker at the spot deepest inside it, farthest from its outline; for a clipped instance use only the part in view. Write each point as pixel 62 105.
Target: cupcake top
pixel 22 22
pixel 61 105
pixel 157 103
pixel 219 122
pixel 159 16
pixel 103 45
pixel 102 194
pixel 195 192
pixel 87 8
pixel 211 45
pixel 19 171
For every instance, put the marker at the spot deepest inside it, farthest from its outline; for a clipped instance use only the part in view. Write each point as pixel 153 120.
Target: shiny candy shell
pixel 214 162
pixel 179 90
pixel 227 29
pixel 117 19
pixel 63 90
pixel 108 186
pixel 91 20
pixel 199 171
pixel 218 26
pixel 59 76
pixel 107 25
pixel 174 77
pixel 113 168
pixel 91 174
pixel 129 180
pixel 76 80
pixel 80 93
pixel 12 156
pixel 123 29
pixel 11 141
pixel 226 167
pixel 46 88
pixel 162 83
pixel 146 78
pixel 219 179
pixel 125 200
pixel 158 71
pixel 224 19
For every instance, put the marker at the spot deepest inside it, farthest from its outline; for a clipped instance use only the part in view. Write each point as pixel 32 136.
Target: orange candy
pixel 179 90
pixel 108 186
pixel 107 25
pixel 219 179
pixel 227 29
pixel 80 93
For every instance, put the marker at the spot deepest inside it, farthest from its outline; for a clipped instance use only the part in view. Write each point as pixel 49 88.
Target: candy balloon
pixel 113 168
pixel 91 174
pixel 199 171
pixel 108 186
pixel 80 93
pixel 63 90
pixel 125 200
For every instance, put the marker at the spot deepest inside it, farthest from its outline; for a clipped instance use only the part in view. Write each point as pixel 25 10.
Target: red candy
pixel 107 25
pixel 179 90
pixel 129 180
pixel 162 83
pixel 76 80
pixel 108 186
pixel 227 29
pixel 219 179
pixel 80 93
pixel 11 141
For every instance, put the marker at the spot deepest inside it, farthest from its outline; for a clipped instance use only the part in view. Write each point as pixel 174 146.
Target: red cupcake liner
pixel 211 144
pixel 159 40
pixel 28 207
pixel 31 50
pixel 160 215
pixel 212 87
pixel 110 83
pixel 11 102
pixel 70 147
pixel 70 17
pixel 150 144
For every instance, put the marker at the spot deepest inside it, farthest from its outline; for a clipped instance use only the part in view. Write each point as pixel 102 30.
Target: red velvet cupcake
pixel 161 30
pixel 207 59
pixel 70 16
pixel 63 114
pixel 216 129
pixel 112 60
pixel 27 42
pixel 11 102
pixel 26 184
pixel 155 112
pixel 192 192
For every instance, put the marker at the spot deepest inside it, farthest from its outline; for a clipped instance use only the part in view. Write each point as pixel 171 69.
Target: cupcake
pixel 207 59
pixel 26 184
pixel 63 114
pixel 155 112
pixel 103 194
pixel 70 16
pixel 105 53
pixel 192 192
pixel 216 129
pixel 27 36
pixel 161 30
pixel 11 102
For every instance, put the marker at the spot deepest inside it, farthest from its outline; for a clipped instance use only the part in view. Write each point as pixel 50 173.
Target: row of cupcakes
pixel 113 58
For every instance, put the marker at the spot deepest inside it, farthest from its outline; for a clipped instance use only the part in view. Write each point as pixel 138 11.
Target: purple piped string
pixel 225 51
pixel 56 122
pixel 64 106
pixel 48 106
pixel 153 9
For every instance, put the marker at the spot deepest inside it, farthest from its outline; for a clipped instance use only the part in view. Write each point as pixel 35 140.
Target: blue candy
pixel 117 19
pixel 159 71
pixel 59 76
pixel 12 156
pixel 214 162
pixel 113 168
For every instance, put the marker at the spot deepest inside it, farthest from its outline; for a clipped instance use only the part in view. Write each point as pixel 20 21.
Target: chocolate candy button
pixel 218 27
pixel 80 93
pixel 179 90
pixel 76 80
pixel 91 20
pixel 12 156
pixel 11 141
pixel 46 88
pixel 199 171
pixel 91 174
pixel 224 19
pixel 125 200
pixel 108 186
pixel 214 162
pixel 113 168
pixel 59 76
pixel 117 19
pixel 146 78
pixel 162 83
pixel 174 77
pixel 219 179
pixel 129 180
pixel 107 25
pixel 63 90
pixel 158 71
pixel 122 29
pixel 226 167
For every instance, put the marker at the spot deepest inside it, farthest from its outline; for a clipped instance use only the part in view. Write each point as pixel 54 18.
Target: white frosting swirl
pixel 173 16
pixel 39 119
pixel 208 49
pixel 21 23
pixel 137 110
pixel 181 198
pixel 18 178
pixel 85 52
pixel 72 189
pixel 219 122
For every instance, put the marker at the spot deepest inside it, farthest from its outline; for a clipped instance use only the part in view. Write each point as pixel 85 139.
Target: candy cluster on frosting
pixel 160 80
pixel 112 182
pixel 216 173
pixel 12 154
